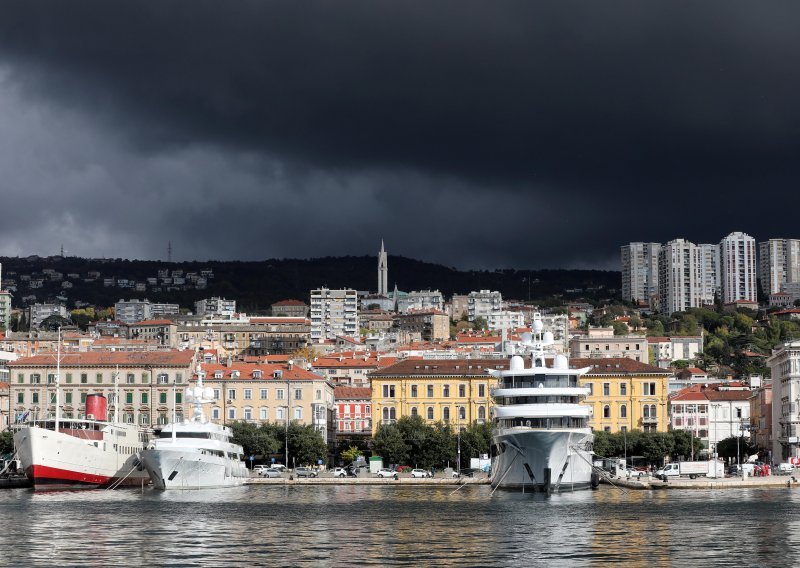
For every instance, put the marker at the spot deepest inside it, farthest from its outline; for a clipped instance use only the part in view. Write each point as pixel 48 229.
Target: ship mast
pixel 57 381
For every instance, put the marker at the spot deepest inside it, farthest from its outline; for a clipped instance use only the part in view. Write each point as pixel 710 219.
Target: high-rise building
pixel 708 257
pixel 481 304
pixel 737 255
pixel 334 313
pixel 5 304
pixel 784 364
pixel 678 276
pixel 383 273
pixel 640 271
pixel 778 264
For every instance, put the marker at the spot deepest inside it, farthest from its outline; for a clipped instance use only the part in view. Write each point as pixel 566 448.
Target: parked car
pixel 784 469
pixel 279 466
pixel 385 472
pixel 420 473
pixel 344 472
pixel 269 472
pixel 467 472
pixel 305 472
pixel 259 468
pixel 635 472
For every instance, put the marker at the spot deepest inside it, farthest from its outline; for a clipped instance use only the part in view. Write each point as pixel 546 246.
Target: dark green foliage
pixel 306 445
pixel 652 446
pixel 6 442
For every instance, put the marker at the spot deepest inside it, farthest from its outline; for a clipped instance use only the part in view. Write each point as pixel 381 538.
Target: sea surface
pixel 355 526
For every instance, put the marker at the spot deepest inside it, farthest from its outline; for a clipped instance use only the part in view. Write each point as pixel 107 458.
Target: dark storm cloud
pixel 469 133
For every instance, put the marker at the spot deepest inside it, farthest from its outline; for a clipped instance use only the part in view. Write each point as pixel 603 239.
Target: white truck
pixel 692 469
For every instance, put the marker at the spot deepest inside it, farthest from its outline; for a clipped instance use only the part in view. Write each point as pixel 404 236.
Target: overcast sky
pixel 474 134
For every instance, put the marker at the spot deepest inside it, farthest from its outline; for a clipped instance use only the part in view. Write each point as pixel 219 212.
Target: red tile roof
pixel 441 367
pixel 342 393
pixel 290 303
pixel 616 365
pixel 152 322
pixel 267 371
pixel 110 358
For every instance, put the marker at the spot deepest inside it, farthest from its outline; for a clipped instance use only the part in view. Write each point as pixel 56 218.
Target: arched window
pixel 414 411
pixel 652 411
pixel 446 414
pixel 606 411
pixel 481 413
pixel 462 413
pixel 393 414
pixel 623 411
pixel 430 413
pixel 385 414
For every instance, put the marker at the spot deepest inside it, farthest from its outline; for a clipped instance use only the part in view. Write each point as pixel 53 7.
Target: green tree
pixel 730 447
pixel 475 440
pixel 680 364
pixel 256 440
pixel 480 324
pixel 6 442
pixel 390 445
pixel 351 454
pixel 655 446
pixel 620 328
pixel 306 445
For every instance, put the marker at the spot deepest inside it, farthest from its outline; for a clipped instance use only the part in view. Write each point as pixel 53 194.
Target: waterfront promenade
pixel 769 481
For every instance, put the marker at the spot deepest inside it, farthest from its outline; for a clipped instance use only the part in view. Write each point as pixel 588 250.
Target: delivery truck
pixel 692 469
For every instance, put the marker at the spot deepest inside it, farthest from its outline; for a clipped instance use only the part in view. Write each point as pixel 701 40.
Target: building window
pixel 298 413
pixel 83 398
pixel 430 413
pixel 179 378
pixel 481 391
pixel 248 394
pixel 69 378
pixel 162 379
pixel 446 414
pixel 248 413
pixel 263 414
pixel 462 391
pixel 145 378
pixel 649 389
pixel 318 394
pixel 606 411
pixel 36 379
pixel 623 411
pixel 130 379
pixel 462 413
pixel 263 393
pixel 231 394
pixel 413 411
pixel 144 419
pixel 99 378
pixel 298 394
pixel 279 413
pixel 128 398
pixel 413 391
pixel 144 398
pixel 68 398
pixel 430 391
pixel 231 414
pixel 280 394
pixel 445 391
pixel 606 389
pixel 84 378
pixel 623 389
pixel 20 398
pixel 162 398
pixel 51 378
pixel 178 397
pixel 590 386
pixel 388 391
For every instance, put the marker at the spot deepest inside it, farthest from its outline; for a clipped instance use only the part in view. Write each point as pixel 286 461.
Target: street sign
pixel 252 458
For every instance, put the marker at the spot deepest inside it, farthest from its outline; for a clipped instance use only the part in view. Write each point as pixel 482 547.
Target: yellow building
pixel 625 394
pixel 451 391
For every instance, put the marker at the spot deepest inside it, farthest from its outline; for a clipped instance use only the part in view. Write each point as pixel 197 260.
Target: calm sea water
pixel 369 525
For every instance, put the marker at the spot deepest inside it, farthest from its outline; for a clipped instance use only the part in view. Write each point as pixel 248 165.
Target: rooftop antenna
pixel 62 250
pixel 169 251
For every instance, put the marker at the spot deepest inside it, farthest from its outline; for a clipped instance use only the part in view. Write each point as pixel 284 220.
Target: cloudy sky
pixel 474 134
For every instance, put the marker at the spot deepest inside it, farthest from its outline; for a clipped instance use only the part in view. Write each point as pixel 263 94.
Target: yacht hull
pixel 57 460
pixel 188 469
pixel 543 460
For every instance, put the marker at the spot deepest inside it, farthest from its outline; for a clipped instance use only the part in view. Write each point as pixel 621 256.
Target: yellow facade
pixel 454 392
pixel 625 394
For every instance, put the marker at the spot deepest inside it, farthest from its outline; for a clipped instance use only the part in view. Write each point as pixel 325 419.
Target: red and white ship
pixel 82 453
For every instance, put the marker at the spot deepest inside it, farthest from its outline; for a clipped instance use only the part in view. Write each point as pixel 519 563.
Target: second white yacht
pixel 195 453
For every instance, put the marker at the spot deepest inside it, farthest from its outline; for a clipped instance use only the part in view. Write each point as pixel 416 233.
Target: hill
pixel 256 285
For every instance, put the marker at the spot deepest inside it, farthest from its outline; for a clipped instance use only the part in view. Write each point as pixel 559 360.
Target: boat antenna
pixel 116 395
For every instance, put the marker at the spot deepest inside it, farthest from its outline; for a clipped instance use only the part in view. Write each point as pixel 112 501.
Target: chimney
pixel 290 364
pixel 229 362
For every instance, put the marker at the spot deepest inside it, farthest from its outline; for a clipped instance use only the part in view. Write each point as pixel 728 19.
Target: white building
pixel 482 304
pixel 640 271
pixel 421 300
pixel 215 306
pixel 40 312
pixel 160 310
pixel 383 272
pixel 333 313
pixel 601 343
pixel 784 364
pixel 778 264
pixel 505 319
pixel 738 267
pixel 678 277
pixel 132 311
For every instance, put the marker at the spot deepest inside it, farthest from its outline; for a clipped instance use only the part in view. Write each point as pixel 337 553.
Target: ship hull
pixel 56 460
pixel 550 461
pixel 189 469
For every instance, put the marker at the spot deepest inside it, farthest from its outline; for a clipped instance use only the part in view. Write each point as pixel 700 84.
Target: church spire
pixel 383 272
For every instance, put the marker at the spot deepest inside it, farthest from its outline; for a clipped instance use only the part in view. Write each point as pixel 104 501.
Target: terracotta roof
pixel 713 394
pixel 444 367
pixel 109 358
pixel 687 395
pixel 616 365
pixel 290 303
pixel 267 371
pixel 657 339
pixel 333 361
pixel 341 393
pixel 152 322
pixel 696 371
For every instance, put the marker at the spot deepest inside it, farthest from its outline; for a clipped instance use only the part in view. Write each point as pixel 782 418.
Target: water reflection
pixel 394 525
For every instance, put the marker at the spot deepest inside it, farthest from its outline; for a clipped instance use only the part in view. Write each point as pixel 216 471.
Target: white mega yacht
pixel 195 453
pixel 541 436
